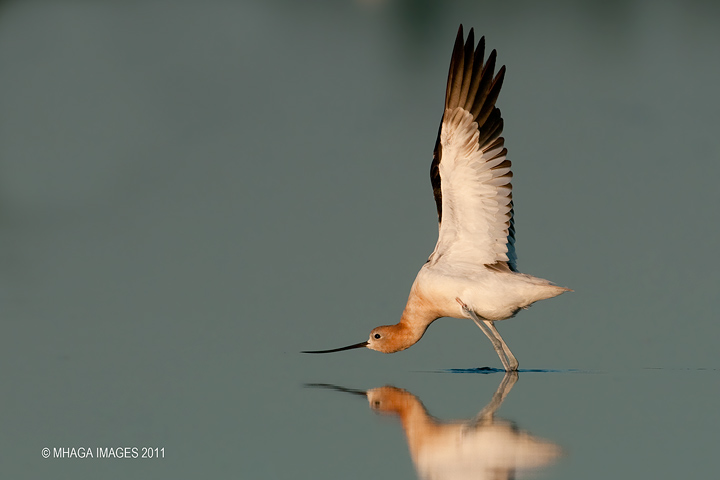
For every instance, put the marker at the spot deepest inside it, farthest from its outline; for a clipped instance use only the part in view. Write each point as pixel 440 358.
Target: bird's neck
pixel 416 317
pixel 419 426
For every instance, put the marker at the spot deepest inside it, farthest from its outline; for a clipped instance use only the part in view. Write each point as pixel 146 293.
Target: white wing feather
pixel 476 195
pixel 470 172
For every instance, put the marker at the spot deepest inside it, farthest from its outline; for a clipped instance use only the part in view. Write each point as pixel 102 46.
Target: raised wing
pixel 470 173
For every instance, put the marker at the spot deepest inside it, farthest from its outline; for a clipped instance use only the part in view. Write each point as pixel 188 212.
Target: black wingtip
pixel 459 39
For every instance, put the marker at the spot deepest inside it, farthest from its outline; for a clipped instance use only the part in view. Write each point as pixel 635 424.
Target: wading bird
pixel 483 447
pixel 472 272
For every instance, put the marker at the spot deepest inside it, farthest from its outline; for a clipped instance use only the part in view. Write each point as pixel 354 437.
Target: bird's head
pixel 391 400
pixel 390 338
pixel 385 339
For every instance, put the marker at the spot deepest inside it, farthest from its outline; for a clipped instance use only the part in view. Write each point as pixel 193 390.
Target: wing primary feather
pixel 467 67
pixel 492 128
pixel 491 97
pixel 485 80
pixel 476 76
pixel 456 72
pixel 453 59
pixel 435 173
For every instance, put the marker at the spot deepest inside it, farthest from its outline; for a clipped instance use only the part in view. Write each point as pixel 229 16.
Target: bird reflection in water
pixel 478 448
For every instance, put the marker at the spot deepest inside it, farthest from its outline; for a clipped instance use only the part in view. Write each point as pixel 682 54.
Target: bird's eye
pixel 376 404
pixel 377 335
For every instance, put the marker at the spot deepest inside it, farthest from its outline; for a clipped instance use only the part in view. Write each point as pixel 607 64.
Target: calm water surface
pixel 192 193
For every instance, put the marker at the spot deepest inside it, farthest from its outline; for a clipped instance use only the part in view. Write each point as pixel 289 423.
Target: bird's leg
pixel 497 343
pixel 511 358
pixel 486 414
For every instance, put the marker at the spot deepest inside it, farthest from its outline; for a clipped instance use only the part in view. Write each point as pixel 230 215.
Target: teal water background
pixel 191 193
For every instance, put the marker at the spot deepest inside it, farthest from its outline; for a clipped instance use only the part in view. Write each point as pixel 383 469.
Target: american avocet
pixel 484 446
pixel 472 272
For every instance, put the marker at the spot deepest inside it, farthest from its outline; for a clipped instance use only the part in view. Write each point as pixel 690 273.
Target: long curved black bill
pixel 349 347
